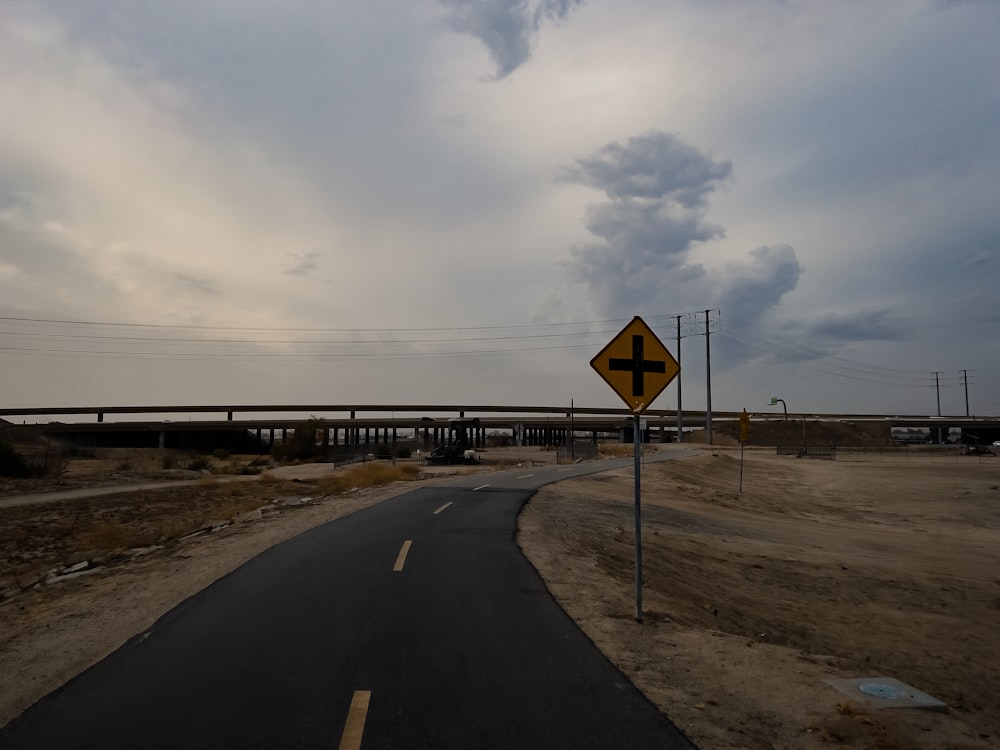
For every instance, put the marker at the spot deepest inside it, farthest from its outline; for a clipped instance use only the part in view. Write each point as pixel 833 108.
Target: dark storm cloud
pixel 819 336
pixel 651 226
pixel 861 325
pixel 641 234
pixel 751 288
pixel 506 27
pixel 653 165
pixel 657 186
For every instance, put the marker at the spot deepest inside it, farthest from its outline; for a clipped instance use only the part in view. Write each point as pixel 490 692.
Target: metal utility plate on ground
pixel 885 692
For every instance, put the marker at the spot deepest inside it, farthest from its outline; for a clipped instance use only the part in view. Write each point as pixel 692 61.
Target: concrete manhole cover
pixel 881 690
pixel 885 692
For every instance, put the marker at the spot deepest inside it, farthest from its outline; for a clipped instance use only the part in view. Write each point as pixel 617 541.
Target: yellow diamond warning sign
pixel 636 365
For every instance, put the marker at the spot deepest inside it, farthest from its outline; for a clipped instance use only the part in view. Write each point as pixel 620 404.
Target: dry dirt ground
pixel 816 570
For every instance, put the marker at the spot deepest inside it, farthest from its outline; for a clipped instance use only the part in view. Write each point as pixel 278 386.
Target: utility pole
pixel 937 389
pixel 572 432
pixel 708 374
pixel 965 378
pixel 680 413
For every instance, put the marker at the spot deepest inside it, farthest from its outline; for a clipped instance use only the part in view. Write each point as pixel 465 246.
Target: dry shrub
pixel 617 451
pixel 269 478
pixel 233 507
pixel 165 530
pixel 234 489
pixel 622 450
pixel 368 475
pixel 107 536
pixel 335 484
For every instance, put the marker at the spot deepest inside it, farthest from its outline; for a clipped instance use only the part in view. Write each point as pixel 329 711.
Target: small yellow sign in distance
pixel 744 426
pixel 636 365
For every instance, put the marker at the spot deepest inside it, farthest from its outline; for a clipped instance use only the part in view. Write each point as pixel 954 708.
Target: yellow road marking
pixel 401 560
pixel 356 715
pixel 441 508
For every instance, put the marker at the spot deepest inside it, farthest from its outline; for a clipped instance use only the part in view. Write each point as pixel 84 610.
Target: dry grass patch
pixel 622 450
pixel 106 536
pixel 112 536
pixel 368 475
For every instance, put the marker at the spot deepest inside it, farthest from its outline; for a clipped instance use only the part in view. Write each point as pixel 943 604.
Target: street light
pixel 775 400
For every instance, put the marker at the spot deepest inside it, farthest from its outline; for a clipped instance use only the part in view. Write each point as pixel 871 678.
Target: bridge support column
pixel 163 439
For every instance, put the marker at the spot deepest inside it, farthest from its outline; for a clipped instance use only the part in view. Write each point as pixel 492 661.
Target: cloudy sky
pixel 462 201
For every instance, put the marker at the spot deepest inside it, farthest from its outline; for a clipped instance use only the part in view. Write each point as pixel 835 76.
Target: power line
pixel 192 327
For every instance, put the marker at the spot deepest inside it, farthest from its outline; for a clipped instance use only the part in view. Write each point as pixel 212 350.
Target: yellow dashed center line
pixel 441 508
pixel 401 560
pixel 356 715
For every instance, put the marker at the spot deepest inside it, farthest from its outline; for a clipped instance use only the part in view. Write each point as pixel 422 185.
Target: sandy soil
pixel 817 569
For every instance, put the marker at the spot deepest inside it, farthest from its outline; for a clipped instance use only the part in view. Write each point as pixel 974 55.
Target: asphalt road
pixel 414 624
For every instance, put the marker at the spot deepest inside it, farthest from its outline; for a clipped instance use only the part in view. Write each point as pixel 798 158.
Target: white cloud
pixel 122 171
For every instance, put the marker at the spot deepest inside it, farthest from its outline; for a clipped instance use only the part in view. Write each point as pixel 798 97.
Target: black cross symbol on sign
pixel 637 366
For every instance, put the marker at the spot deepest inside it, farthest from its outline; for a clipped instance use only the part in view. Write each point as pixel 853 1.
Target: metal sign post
pixel 744 436
pixel 637 440
pixel 637 366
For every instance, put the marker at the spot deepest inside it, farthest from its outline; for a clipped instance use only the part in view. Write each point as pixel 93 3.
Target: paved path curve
pixel 416 623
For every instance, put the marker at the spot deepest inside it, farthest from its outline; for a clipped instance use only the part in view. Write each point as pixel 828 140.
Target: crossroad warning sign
pixel 636 365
